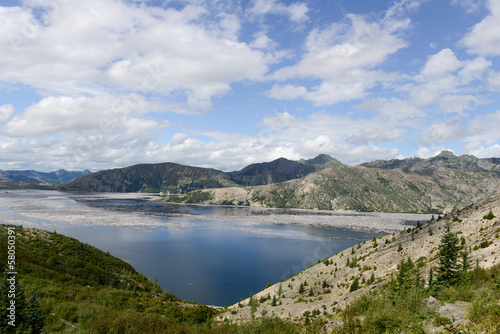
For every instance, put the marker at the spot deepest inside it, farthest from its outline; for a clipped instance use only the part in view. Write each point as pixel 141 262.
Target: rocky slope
pixel 330 279
pixel 432 190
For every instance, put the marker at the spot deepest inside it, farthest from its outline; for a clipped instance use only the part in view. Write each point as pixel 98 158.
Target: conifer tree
pixel 34 317
pixel 431 281
pixel 405 274
pixel 464 275
pixel 372 278
pixel 448 253
pixel 354 285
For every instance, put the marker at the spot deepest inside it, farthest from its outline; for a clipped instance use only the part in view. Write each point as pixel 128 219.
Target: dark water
pixel 214 261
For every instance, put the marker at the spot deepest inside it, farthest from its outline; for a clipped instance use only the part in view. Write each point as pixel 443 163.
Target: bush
pixel 442 321
pixel 489 216
pixel 485 309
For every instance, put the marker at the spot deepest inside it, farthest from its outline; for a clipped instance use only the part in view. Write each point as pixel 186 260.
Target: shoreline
pixel 72 208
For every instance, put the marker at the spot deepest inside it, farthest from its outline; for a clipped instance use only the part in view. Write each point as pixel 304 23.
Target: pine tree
pixel 465 276
pixel 405 274
pixel 431 281
pixel 5 302
pixel 274 302
pixel 448 253
pixel 34 317
pixel 354 285
pixel 372 278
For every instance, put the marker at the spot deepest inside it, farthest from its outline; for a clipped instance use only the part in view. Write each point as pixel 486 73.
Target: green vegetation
pixel 71 287
pixel 489 216
pixel 197 196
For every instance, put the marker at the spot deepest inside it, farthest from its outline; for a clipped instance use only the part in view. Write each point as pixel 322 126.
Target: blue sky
pixel 108 83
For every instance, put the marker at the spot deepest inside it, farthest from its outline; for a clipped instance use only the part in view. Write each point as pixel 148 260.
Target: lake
pixel 213 255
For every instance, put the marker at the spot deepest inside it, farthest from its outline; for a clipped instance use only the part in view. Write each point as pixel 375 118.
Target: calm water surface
pixel 212 259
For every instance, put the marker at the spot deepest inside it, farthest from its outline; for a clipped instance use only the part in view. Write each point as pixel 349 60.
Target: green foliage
pixel 448 253
pixel 484 244
pixel 400 248
pixel 266 325
pixel 442 321
pixel 489 216
pixel 354 285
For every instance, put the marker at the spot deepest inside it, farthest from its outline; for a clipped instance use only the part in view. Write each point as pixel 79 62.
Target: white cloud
pixel 487 152
pixel 484 37
pixel 297 11
pixel 426 152
pixel 476 133
pixel 287 92
pixel 6 112
pixel 344 57
pixel 450 83
pixel 86 47
pixel 393 108
pixel 471 6
pixel 440 65
pixel 80 116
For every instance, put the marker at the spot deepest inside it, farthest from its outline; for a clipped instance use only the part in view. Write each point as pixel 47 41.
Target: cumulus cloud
pixel 71 49
pixel 484 37
pixel 343 57
pixel 454 85
pixel 6 112
pixel 83 116
pixel 393 108
pixel 122 82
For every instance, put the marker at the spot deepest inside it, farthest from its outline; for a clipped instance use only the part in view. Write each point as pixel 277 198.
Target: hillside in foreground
pixel 391 278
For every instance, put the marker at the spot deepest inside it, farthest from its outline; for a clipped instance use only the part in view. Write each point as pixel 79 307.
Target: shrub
pixel 442 321
pixel 354 285
pixel 489 216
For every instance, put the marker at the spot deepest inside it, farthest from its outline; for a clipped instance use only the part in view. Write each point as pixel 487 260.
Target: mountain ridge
pixel 444 159
pixel 35 179
pixel 177 178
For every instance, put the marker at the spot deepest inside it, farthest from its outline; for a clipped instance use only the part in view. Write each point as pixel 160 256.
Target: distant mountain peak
pixel 320 159
pixel 446 153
